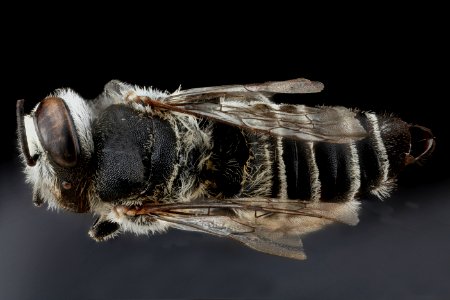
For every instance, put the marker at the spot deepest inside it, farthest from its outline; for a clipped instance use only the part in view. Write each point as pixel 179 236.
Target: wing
pixel 248 106
pixel 267 89
pixel 267 225
pixel 255 237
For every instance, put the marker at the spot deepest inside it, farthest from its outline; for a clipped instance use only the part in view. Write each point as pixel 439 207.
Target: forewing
pixel 346 212
pixel 249 107
pixel 294 86
pixel 312 124
pixel 331 124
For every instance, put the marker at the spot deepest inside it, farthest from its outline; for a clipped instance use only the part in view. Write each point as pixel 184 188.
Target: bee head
pixel 56 145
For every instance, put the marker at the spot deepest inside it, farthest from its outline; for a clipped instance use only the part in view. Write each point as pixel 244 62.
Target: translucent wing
pixel 294 86
pixel 255 237
pixel 332 124
pixel 267 225
pixel 248 106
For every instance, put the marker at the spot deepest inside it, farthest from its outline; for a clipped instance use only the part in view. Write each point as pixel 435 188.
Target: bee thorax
pixel 135 153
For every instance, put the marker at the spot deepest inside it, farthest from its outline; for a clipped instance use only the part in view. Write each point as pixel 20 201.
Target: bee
pixel 222 160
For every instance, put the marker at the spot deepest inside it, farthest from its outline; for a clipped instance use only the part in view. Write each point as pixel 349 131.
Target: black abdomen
pixel 321 171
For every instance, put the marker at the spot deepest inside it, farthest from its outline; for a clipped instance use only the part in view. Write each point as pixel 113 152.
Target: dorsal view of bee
pixel 222 160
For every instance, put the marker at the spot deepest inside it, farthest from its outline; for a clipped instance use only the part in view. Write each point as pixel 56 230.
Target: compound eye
pixel 57 132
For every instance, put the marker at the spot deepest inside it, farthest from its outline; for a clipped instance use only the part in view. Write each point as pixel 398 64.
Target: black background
pixel 384 63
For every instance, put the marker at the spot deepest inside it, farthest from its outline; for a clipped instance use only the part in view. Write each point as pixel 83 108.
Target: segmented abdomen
pixel 321 171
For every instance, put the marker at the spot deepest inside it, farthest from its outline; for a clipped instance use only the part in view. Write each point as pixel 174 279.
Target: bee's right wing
pixel 254 90
pixel 330 124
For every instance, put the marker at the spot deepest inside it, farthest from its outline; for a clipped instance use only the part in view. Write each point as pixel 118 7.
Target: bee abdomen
pixel 321 171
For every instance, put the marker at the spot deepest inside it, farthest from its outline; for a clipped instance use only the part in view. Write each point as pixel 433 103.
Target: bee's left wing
pixel 248 106
pixel 253 236
pixel 267 225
